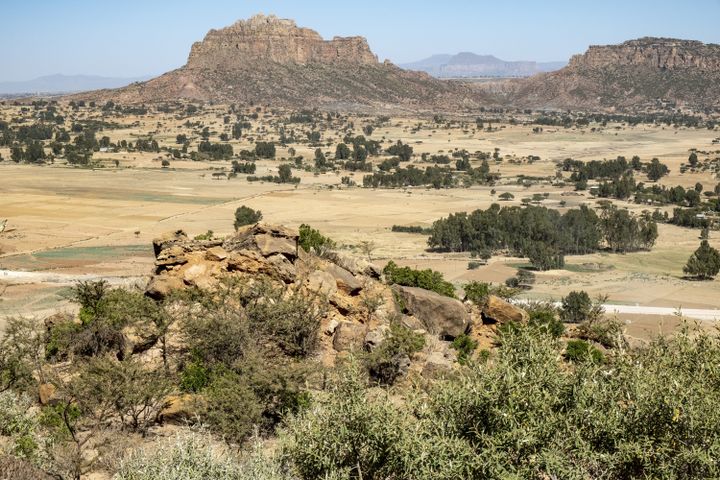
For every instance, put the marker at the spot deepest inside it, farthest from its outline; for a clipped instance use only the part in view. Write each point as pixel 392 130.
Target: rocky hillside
pixel 272 61
pixel 642 73
pixel 358 308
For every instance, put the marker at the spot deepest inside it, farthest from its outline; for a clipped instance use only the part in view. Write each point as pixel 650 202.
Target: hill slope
pixel 642 73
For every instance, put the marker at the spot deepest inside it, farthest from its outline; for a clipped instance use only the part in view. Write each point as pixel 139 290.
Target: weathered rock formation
pixel 646 73
pixel 271 61
pixel 358 306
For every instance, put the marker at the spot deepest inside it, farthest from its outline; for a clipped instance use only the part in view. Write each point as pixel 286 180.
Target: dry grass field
pixel 101 220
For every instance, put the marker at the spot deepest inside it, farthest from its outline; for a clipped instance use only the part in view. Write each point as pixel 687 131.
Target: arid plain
pixel 65 222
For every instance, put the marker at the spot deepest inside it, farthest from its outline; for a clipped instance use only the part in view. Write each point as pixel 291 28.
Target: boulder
pixel 348 336
pixel 284 269
pixel 497 310
pixel 160 286
pixel 173 255
pixel 168 239
pixel 375 337
pixel 440 315
pixel 269 245
pixel 267 239
pixel 322 283
pixel 47 394
pixel 216 254
pixel 344 280
pixel 355 265
pixel 438 363
pixel 331 327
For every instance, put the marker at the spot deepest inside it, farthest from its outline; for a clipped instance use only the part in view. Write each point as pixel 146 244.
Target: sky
pixel 133 38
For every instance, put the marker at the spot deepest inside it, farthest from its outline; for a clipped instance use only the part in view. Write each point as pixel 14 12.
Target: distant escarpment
pixel 645 73
pixel 272 61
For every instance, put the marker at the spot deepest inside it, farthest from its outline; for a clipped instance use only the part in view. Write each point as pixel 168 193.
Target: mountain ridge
pixel 470 65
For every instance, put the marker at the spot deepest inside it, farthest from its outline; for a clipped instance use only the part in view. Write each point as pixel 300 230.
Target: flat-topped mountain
pixel 641 73
pixel 272 61
pixel 470 65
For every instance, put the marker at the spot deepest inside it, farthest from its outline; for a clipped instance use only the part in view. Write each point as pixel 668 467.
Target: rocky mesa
pixel 271 61
pixel 645 73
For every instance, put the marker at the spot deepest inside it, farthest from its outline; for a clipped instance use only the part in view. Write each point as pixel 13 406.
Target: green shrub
pixel 427 279
pixel 477 292
pixel 544 317
pixel 246 216
pixel 194 456
pixel 576 307
pixel 312 240
pixel 385 362
pixel 580 350
pixel 465 346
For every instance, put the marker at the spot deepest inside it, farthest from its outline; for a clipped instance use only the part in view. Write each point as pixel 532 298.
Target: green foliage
pixel 265 149
pixel 387 361
pixel 427 279
pixel 544 317
pixel 246 216
pixel 194 456
pixel 21 353
pixel 19 424
pixel 312 240
pixel 576 307
pixel 704 263
pixel 477 292
pixel 643 413
pixel 465 346
pixel 580 350
pixel 195 376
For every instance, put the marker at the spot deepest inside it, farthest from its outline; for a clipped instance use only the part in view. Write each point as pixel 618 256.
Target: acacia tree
pixel 704 263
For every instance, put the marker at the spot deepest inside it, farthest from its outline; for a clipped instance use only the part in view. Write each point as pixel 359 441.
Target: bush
pixel 544 317
pixel 194 456
pixel 427 279
pixel 246 216
pixel 576 307
pixel 580 350
pixel 312 240
pixel 643 413
pixel 465 346
pixel 387 361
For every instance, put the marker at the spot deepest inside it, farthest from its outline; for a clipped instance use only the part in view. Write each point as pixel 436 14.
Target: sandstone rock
pixel 376 337
pixel 500 311
pixel 178 409
pixel 173 255
pixel 345 280
pixel 167 240
pixel 160 286
pixel 216 254
pixel 269 245
pixel 348 336
pixel 440 315
pixel 47 393
pixel 438 363
pixel 355 265
pixel 321 282
pixel 343 303
pixel 331 327
pixel 284 269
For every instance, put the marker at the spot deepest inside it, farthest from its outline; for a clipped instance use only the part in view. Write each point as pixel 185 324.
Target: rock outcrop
pixel 443 316
pixel 358 307
pixel 271 61
pixel 497 310
pixel 647 73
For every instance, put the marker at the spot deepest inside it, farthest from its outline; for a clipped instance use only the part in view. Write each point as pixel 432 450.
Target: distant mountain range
pixel 66 84
pixel 467 64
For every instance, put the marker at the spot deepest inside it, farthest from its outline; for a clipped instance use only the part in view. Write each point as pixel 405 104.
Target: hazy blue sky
pixel 133 38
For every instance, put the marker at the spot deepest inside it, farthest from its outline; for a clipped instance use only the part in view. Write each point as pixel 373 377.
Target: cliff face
pixel 272 61
pixel 277 40
pixel 638 74
pixel 657 53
